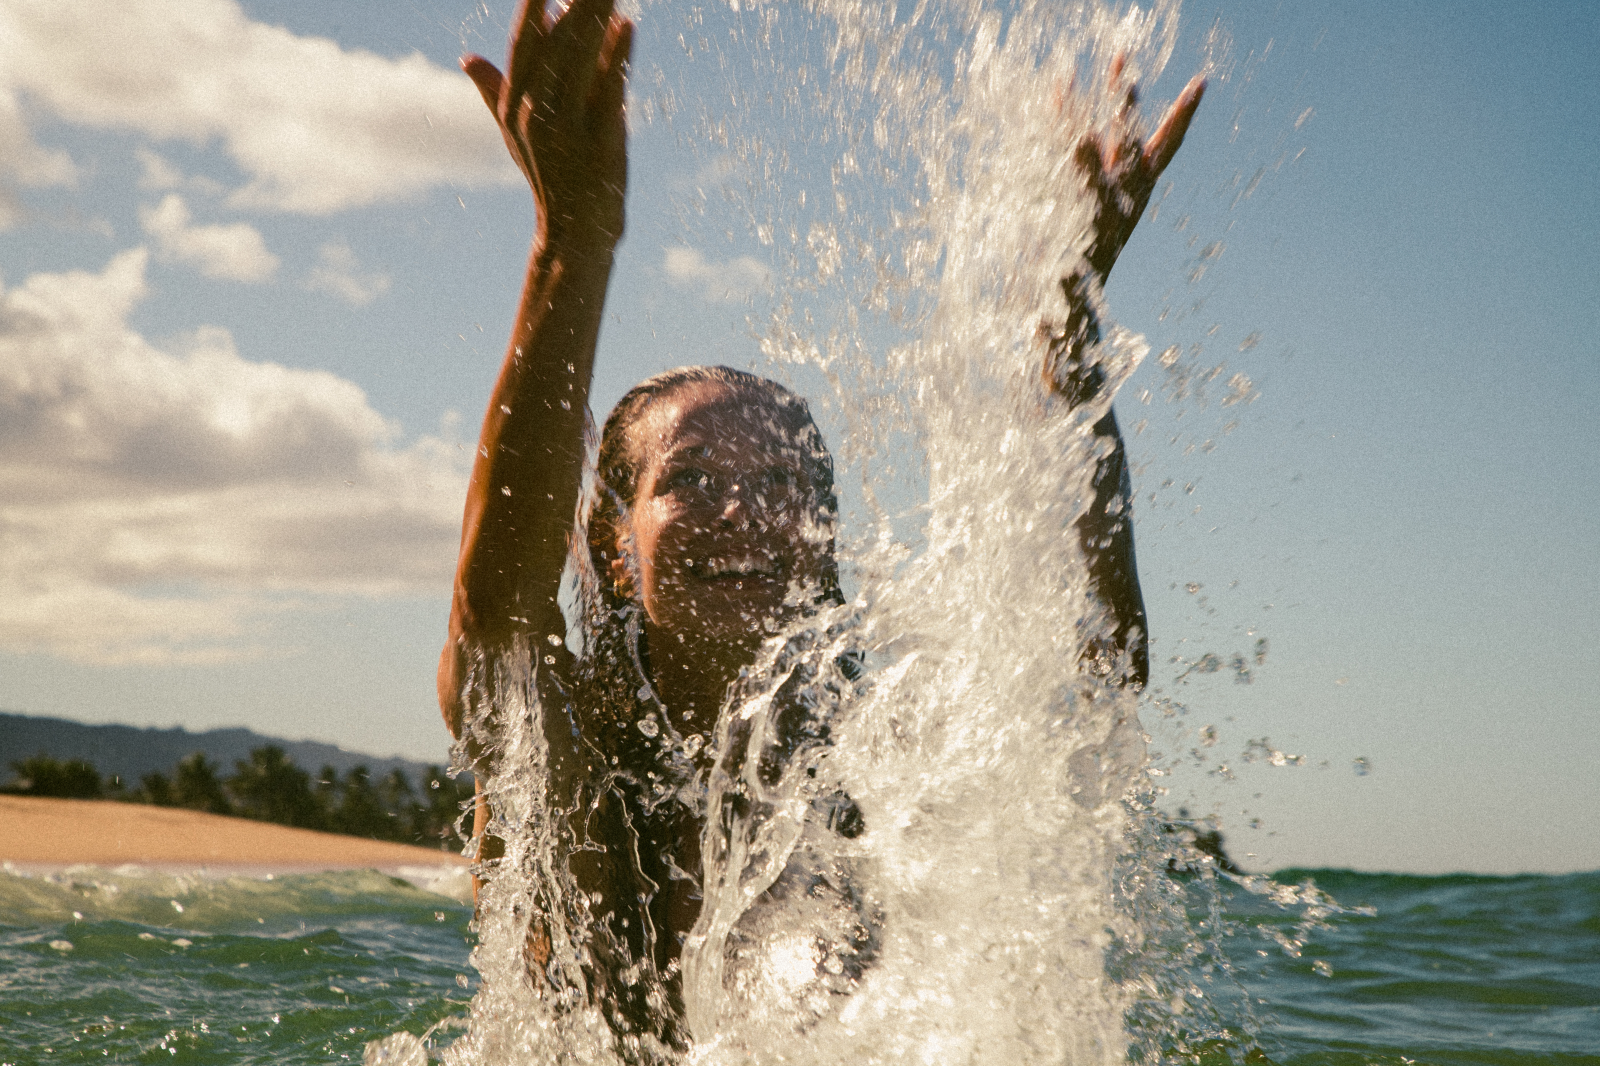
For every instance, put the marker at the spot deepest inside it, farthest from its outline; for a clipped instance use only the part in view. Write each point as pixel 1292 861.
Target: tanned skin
pixel 559 107
pixel 560 110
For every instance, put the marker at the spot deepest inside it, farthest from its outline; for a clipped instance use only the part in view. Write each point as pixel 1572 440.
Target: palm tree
pixel 198 787
pixel 42 775
pixel 270 788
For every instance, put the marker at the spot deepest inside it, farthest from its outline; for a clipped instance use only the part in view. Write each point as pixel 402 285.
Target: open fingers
pixel 576 42
pixel 528 35
pixel 1164 143
pixel 611 80
pixel 486 77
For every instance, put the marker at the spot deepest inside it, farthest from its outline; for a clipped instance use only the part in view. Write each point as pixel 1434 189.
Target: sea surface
pixel 133 966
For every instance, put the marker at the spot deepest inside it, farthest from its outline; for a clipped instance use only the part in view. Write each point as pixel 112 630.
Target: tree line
pixel 269 787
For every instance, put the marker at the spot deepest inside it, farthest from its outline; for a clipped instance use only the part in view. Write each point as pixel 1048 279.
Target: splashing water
pixel 1002 892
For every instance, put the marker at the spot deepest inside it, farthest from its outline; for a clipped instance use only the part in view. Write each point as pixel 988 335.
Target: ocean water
pixel 131 966
pixel 100 966
pixel 1449 970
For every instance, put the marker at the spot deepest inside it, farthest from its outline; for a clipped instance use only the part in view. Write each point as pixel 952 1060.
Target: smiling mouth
pixel 735 567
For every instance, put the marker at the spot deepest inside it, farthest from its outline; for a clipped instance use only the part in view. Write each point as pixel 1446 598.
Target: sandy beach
pixel 60 832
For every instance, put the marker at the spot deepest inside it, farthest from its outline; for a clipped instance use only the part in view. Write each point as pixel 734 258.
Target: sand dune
pixel 61 832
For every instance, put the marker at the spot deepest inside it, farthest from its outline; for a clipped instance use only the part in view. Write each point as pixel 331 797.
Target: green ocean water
pixel 99 966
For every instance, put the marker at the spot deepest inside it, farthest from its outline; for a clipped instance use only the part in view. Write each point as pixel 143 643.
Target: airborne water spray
pixel 911 169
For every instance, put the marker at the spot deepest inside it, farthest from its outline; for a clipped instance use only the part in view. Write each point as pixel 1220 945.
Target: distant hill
pixel 129 752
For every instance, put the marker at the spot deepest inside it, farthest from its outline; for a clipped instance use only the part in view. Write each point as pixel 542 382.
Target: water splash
pixel 930 836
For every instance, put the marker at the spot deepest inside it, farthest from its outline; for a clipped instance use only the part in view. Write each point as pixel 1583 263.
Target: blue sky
pixel 258 262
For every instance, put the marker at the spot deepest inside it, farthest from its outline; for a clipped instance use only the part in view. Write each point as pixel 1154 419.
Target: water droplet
pixel 649 727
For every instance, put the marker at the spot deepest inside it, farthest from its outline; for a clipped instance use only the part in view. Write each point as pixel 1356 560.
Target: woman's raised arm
pixel 560 109
pixel 1121 171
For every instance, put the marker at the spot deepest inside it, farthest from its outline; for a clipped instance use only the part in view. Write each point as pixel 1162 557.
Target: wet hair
pixel 622 457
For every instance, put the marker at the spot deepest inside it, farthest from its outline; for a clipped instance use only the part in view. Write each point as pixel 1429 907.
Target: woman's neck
pixel 691 677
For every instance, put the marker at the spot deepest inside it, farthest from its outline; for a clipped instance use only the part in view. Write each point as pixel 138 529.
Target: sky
pixel 258 262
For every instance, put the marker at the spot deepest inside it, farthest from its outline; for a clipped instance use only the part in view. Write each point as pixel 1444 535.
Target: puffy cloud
pixel 314 128
pixel 158 175
pixel 152 502
pixel 338 272
pixel 735 279
pixel 21 160
pixel 235 251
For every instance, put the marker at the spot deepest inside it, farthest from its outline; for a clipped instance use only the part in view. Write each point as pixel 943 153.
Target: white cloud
pixel 715 172
pixel 21 160
pixel 158 175
pixel 735 279
pixel 338 272
pixel 236 251
pixel 153 502
pixel 314 128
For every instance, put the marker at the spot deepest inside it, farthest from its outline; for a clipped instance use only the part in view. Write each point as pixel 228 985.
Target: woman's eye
pixel 690 477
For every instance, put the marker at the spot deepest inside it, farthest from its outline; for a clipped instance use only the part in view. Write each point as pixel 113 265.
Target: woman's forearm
pixel 1105 529
pixel 525 477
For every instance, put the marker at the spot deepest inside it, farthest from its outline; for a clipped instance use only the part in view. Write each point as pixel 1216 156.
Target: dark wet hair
pixel 622 458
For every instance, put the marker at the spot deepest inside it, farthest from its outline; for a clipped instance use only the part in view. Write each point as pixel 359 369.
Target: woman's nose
pixel 735 503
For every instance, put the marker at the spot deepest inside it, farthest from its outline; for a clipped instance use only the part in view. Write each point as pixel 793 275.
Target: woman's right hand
pixel 1121 167
pixel 560 109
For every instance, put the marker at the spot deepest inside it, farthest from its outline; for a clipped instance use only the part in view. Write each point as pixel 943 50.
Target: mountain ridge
pixel 130 752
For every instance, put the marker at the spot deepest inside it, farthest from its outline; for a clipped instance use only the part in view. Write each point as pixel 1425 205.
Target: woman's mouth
pixel 736 566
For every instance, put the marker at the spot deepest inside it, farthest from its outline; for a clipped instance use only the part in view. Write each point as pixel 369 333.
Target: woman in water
pixel 711 523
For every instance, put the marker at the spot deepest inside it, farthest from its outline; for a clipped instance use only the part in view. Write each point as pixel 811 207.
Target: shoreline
pixel 51 835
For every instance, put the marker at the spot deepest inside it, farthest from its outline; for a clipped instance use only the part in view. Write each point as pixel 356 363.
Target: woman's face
pixel 724 527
